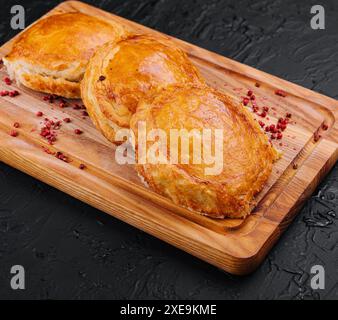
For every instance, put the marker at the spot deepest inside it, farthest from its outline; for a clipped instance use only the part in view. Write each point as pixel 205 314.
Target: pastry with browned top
pixel 51 56
pixel 222 188
pixel 121 74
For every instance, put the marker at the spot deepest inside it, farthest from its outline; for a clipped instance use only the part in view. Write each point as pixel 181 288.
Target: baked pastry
pixel 51 56
pixel 245 153
pixel 121 74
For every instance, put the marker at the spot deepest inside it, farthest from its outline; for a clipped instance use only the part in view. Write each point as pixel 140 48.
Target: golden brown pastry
pixel 246 154
pixel 51 56
pixel 120 75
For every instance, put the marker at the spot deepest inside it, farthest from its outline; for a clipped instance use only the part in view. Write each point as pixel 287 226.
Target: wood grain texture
pixel 234 245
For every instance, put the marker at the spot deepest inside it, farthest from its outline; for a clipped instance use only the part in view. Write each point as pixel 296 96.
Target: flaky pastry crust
pixel 121 74
pixel 51 56
pixel 248 156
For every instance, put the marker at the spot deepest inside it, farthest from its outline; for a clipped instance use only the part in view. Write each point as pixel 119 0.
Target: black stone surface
pixel 72 251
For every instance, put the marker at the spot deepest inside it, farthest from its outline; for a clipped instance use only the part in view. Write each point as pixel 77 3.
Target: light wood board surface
pixel 236 246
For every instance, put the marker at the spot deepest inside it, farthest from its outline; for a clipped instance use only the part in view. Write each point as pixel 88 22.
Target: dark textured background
pixel 70 250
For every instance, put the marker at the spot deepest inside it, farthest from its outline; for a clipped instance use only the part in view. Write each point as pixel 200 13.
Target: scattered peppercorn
pixel 51 98
pixel 59 155
pixel 57 125
pixel 48 151
pixel 325 126
pixel 102 78
pixel 280 93
pixel 78 131
pixel 39 114
pixel 8 81
pixel 13 133
pixel 48 131
pixel 275 130
pixel 13 94
pixel 246 101
pixel 67 120
pixel 261 123
pixel 272 128
pixel 16 125
pixel 316 136
pixel 82 166
pixel 62 104
pixel 295 166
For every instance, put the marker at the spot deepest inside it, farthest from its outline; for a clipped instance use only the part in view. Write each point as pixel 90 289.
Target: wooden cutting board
pixel 236 246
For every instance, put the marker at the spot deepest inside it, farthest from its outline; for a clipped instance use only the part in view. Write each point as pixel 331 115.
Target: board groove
pixel 237 246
